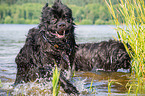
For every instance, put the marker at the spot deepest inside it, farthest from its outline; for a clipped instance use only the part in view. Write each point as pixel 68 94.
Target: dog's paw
pixel 68 86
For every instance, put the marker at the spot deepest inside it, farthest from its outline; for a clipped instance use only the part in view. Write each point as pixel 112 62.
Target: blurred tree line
pixel 29 11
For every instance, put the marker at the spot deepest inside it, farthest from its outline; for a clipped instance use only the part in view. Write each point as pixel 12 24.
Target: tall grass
pixel 55 81
pixel 132 31
pixel 111 82
pixel 0 83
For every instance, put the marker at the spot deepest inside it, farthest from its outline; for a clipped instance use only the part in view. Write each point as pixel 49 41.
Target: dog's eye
pixel 68 19
pixel 53 20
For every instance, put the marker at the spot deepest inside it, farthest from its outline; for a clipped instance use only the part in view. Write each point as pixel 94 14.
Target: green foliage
pixel 84 11
pixel 21 21
pixel 86 22
pixel 29 11
pixel 8 20
pixel 27 21
pixel 73 2
pixel 99 22
pixel 35 21
pixel 133 33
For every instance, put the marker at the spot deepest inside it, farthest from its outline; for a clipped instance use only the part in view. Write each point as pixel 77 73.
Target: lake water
pixel 12 38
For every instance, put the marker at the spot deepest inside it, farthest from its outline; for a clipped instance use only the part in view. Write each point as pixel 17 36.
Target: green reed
pixel 0 83
pixel 132 31
pixel 55 81
pixel 91 84
pixel 111 82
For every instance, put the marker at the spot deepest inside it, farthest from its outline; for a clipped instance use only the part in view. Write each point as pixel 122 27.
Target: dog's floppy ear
pixel 46 5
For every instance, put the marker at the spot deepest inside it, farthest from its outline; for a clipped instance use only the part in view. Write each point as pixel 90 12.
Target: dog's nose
pixel 61 25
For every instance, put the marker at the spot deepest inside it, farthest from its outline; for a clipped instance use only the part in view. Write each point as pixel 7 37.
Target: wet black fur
pixel 107 55
pixel 43 48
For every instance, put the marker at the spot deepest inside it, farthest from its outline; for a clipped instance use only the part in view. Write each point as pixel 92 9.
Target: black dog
pixel 108 55
pixel 53 41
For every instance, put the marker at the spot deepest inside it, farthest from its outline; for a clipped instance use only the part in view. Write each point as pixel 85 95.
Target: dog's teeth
pixel 64 32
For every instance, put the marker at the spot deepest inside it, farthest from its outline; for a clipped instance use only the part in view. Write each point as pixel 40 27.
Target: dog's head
pixel 57 20
pixel 57 28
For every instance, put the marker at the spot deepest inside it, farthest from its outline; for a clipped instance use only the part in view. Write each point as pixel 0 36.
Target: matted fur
pixel 107 55
pixel 53 41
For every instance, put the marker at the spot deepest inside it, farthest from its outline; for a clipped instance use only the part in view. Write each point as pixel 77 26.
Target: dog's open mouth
pixel 60 34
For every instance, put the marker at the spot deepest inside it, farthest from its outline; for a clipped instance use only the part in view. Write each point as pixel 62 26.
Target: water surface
pixel 12 38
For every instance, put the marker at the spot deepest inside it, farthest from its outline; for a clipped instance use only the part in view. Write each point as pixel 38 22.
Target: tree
pixel 8 20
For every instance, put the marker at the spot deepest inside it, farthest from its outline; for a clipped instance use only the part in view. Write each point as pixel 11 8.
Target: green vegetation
pixel 133 33
pixel 55 81
pixel 111 82
pixel 29 11
pixel 0 83
pixel 20 14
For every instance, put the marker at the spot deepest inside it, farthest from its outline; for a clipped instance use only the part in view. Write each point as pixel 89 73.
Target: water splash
pixel 34 88
pixel 80 84
pixel 40 87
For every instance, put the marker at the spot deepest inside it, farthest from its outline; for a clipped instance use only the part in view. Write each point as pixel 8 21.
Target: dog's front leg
pixel 67 85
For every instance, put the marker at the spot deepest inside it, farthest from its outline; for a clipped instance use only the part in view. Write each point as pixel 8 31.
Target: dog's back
pixel 108 55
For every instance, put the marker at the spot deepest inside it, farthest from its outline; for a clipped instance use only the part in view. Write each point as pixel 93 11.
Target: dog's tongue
pixel 60 34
